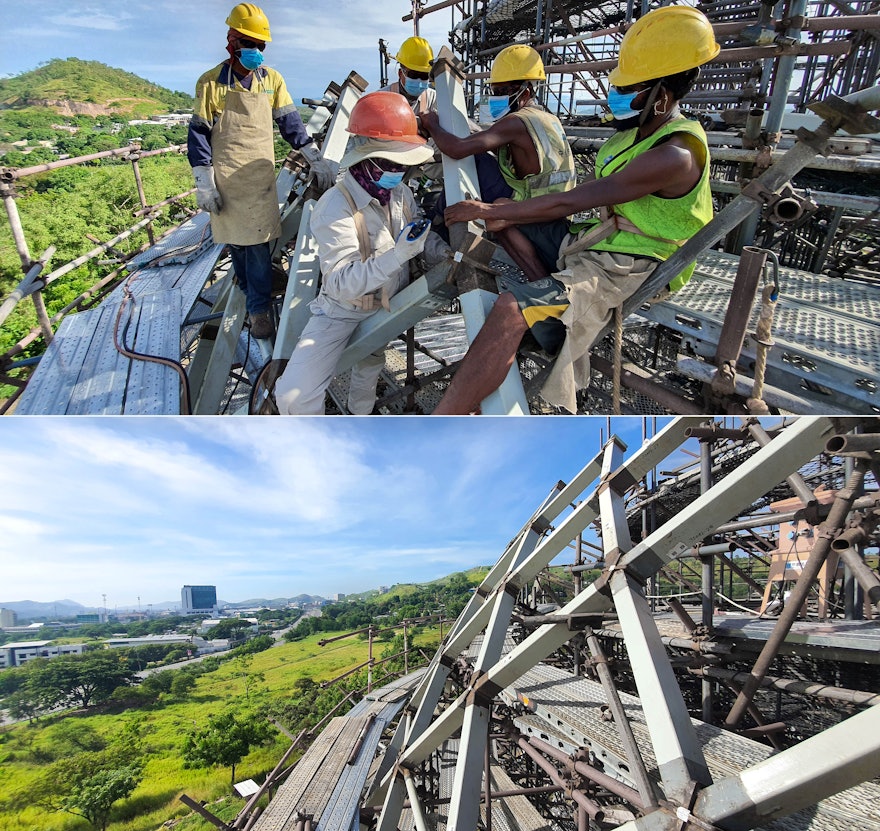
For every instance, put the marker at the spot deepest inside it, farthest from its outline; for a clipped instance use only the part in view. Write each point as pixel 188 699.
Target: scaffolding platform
pixel 571 712
pixel 826 331
pixel 83 373
pixel 512 813
pixel 851 641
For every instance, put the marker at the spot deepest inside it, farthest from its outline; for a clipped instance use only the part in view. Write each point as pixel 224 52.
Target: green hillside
pixel 76 87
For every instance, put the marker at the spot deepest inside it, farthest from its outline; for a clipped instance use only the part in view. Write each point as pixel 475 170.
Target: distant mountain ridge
pixel 75 87
pixel 33 609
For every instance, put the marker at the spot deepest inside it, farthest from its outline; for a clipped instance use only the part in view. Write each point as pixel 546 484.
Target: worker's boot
pixel 261 325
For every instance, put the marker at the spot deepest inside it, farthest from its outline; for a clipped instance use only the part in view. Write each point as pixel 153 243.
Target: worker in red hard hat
pixel 231 150
pixel 368 230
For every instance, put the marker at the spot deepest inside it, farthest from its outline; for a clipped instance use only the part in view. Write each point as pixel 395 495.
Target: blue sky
pixel 171 43
pixel 270 507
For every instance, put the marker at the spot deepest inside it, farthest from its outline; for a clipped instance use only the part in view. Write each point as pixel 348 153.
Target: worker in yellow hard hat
pixel 414 59
pixel 533 155
pixel 652 186
pixel 230 147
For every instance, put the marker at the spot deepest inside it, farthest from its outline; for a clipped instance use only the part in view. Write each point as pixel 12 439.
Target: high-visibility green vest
pixel 557 163
pixel 673 220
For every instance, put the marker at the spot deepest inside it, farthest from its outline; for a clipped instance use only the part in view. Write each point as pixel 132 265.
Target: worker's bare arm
pixel 668 170
pixel 504 131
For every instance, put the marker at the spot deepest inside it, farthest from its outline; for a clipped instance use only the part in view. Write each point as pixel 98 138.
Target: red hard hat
pixel 384 115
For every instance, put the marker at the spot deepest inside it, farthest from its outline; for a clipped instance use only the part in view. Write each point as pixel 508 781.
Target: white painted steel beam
pixel 302 287
pixel 830 762
pixel 419 299
pixel 677 749
pixel 676 746
pixel 222 354
pixel 460 182
pixel 509 398
pixel 786 453
pixel 795 446
pixel 826 764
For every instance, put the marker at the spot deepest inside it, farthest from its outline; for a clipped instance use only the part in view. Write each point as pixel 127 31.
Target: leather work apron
pixel 244 169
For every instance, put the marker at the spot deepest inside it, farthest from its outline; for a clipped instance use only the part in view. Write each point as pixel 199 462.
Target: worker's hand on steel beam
pixel 411 240
pixel 207 196
pixel 470 210
pixel 428 121
pixel 323 170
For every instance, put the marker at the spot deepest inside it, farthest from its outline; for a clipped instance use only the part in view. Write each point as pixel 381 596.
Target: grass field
pixel 269 676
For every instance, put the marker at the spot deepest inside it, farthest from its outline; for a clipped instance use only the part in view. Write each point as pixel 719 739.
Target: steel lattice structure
pixel 643 762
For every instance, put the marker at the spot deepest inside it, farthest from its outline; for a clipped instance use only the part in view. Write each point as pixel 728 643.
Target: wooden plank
pixel 342 808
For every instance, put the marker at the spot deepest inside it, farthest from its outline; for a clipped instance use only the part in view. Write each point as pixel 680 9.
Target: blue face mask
pixel 499 105
pixel 414 87
pixel 389 181
pixel 250 58
pixel 620 103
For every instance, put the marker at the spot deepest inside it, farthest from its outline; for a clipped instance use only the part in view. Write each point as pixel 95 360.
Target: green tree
pixel 182 684
pixel 87 784
pixel 94 797
pixel 226 740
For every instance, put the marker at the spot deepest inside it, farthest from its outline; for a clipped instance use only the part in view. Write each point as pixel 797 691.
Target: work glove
pixel 207 196
pixel 411 240
pixel 323 170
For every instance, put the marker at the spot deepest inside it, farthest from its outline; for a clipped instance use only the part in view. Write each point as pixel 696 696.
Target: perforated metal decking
pixel 574 710
pixel 826 331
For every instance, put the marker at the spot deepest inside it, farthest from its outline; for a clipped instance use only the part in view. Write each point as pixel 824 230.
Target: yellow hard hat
pixel 416 54
pixel 664 42
pixel 250 20
pixel 517 63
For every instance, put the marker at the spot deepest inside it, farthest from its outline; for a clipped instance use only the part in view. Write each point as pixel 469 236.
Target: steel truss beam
pixel 837 759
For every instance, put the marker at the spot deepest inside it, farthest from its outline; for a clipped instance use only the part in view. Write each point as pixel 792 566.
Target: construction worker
pixel 367 233
pixel 231 151
pixel 415 57
pixel 652 182
pixel 534 157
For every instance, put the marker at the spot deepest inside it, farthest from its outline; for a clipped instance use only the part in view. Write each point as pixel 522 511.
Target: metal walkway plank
pixel 575 707
pixel 826 331
pixel 512 813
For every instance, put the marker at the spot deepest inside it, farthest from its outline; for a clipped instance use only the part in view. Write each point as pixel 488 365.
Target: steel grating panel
pixel 188 237
pixel 82 373
pixel 153 388
pixel 49 388
pixel 512 813
pixel 446 758
pixel 574 706
pixel 279 814
pixel 826 331
pixel 343 805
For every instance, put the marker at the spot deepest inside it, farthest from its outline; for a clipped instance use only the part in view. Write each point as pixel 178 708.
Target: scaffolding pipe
pixel 639 771
pixel 790 685
pixel 840 509
pixel 580 799
pixel 27 286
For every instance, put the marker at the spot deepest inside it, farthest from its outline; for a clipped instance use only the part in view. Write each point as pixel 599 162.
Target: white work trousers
pixel 312 366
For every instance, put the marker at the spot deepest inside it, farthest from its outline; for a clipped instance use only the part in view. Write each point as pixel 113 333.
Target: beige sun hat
pixel 402 152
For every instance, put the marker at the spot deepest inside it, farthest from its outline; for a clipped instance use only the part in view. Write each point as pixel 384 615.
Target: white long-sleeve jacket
pixel 344 276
